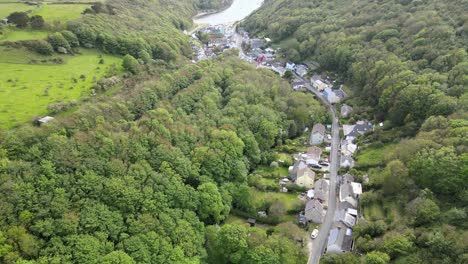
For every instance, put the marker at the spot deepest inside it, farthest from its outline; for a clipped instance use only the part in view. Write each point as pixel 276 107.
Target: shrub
pixel 71 38
pixel 42 47
pixel 130 63
pixel 57 40
pixel 20 19
pixel 37 22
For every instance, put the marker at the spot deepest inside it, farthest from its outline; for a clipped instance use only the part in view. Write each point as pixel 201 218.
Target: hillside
pixel 142 175
pixel 388 51
pixel 56 54
pixel 406 63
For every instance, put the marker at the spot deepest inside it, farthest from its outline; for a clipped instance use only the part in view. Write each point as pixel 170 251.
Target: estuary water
pixel 236 12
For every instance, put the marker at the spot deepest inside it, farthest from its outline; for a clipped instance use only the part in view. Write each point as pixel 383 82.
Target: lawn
pixel 289 199
pixel 27 89
pixel 268 172
pixel 372 156
pixel 22 34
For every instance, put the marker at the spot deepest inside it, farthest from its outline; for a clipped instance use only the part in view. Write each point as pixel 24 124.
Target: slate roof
pixel 318 128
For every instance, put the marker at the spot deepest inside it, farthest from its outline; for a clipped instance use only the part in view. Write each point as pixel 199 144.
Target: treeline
pixel 142 177
pixel 212 4
pixel 405 60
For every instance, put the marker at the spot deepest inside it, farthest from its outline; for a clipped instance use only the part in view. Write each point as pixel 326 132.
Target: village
pixel 310 168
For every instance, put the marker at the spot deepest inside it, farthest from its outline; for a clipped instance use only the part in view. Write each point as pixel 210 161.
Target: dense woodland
pixel 406 63
pixel 142 176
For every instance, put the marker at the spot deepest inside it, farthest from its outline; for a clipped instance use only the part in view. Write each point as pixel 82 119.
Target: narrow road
pixel 319 243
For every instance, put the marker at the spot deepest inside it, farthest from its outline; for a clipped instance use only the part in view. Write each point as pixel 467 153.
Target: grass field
pixel 50 13
pixel 61 13
pixel 23 34
pixel 26 89
pixel 6 9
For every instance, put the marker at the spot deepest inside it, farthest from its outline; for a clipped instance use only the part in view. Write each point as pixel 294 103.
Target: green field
pixel 60 13
pixel 6 9
pixel 22 34
pixel 27 89
pixel 49 12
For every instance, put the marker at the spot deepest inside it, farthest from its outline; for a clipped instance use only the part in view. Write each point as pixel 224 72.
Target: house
pixel 256 43
pixel 331 96
pixel 340 93
pixel 340 239
pixel 348 148
pixel 298 84
pixel 346 161
pixel 346 190
pixel 360 128
pixel 313 155
pixel 314 211
pixel 348 219
pixel 318 83
pixel 290 66
pixel 301 70
pixel 318 134
pixel 346 110
pixel 276 67
pixel 350 189
pixel 296 169
pixel 305 178
pixel 321 188
pixel 45 120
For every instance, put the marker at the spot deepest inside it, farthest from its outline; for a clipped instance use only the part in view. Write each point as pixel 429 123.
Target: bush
pixel 130 64
pixel 57 40
pixel 42 47
pixel 71 38
pixel 20 19
pixel 37 22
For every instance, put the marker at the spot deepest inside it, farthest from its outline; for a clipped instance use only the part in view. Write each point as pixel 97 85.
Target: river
pixel 236 12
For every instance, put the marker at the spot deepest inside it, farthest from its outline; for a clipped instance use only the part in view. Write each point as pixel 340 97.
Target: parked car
pixel 314 234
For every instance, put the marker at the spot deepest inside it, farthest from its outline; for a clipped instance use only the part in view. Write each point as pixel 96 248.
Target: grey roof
pixel 314 211
pixel 321 185
pixel 298 169
pixel 346 190
pixel 361 128
pixel 345 110
pixel 314 152
pixel 340 239
pixel 318 128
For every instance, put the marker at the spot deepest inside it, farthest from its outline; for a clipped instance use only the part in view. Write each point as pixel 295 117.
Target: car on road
pixel 314 233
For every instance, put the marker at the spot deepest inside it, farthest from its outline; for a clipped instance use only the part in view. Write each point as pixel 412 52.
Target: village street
pixel 318 244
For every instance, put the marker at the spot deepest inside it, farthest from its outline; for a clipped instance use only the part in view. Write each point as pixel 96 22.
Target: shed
pixel 251 221
pixel 45 120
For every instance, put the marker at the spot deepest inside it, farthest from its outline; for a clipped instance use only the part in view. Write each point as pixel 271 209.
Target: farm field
pixel 60 13
pixel 27 89
pixel 50 12
pixel 22 34
pixel 6 9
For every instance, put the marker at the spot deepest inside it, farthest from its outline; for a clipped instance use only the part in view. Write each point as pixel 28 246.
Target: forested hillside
pixel 138 177
pixel 407 65
pixel 390 52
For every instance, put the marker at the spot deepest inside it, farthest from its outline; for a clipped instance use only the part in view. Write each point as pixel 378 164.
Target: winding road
pixel 319 243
